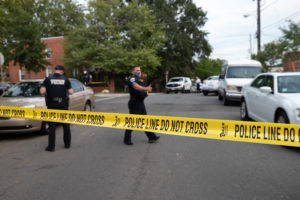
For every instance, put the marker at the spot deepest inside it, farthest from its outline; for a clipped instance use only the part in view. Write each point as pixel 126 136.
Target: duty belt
pixel 58 99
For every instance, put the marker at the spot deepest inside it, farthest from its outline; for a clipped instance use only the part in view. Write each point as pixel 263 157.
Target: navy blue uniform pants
pixel 137 107
pixel 52 127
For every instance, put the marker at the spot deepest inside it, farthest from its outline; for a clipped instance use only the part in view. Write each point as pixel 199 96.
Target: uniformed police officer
pixel 138 93
pixel 57 88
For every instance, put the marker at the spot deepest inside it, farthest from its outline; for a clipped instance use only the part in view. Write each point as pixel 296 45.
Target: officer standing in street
pixel 57 88
pixel 136 102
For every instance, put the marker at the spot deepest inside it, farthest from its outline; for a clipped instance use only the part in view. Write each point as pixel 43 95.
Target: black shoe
pixel 50 149
pixel 128 143
pixel 68 146
pixel 154 139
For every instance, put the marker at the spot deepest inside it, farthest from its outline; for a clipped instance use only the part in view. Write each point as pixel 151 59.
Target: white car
pixel 210 85
pixel 175 84
pixel 272 97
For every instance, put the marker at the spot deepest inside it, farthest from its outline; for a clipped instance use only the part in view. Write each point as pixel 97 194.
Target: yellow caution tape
pixel 255 132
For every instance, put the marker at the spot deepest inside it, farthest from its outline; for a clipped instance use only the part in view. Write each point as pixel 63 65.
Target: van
pixel 234 75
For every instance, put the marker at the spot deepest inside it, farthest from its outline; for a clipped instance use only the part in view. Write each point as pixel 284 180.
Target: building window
pixel 48 71
pixel 48 52
pixel 75 72
pixel 21 74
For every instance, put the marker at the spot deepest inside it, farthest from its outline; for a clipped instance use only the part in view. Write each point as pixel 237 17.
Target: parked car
pixel 234 75
pixel 4 86
pixel 176 84
pixel 272 97
pixel 27 94
pixel 210 85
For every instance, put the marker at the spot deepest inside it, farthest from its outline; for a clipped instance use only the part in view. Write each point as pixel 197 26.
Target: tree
pixel 21 37
pixel 208 67
pixel 185 38
pixel 117 37
pixel 274 53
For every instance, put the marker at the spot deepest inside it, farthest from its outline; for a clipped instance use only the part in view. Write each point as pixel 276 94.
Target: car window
pixel 24 89
pixel 258 82
pixel 76 86
pixel 288 84
pixel 269 81
pixel 243 72
pixel 176 80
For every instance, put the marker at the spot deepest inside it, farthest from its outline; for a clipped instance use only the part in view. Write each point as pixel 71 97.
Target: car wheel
pixel 204 93
pixel 176 92
pixel 44 128
pixel 282 118
pixel 225 100
pixel 244 111
pixel 87 107
pixel 220 97
pixel 167 92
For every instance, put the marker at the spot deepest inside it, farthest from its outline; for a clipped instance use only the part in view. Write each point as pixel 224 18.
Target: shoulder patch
pixel 132 79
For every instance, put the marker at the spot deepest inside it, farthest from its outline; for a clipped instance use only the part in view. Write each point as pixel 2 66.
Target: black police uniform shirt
pixel 57 86
pixel 136 95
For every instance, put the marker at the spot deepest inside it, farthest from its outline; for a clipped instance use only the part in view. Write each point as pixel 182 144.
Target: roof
pixel 244 62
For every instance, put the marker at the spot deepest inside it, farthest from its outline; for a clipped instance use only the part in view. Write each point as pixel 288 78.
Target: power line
pixel 292 15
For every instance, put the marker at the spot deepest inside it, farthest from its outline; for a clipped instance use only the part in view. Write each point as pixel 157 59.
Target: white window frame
pixel 48 52
pixel 21 74
pixel 48 71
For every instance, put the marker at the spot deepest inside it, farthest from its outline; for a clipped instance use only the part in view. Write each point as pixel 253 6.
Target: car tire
pixel 205 93
pixel 220 97
pixel 282 117
pixel 183 90
pixel 244 111
pixel 87 107
pixel 167 92
pixel 225 100
pixel 44 128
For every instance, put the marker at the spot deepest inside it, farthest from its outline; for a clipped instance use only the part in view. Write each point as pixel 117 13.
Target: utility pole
pixel 258 26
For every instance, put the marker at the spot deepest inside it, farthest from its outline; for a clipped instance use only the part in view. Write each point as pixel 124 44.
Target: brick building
pixel 55 54
pixel 293 62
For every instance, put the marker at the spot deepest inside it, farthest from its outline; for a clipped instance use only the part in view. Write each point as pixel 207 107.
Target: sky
pixel 230 32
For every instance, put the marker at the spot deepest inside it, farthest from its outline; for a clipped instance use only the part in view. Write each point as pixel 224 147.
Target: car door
pixel 251 95
pixel 266 102
pixel 77 100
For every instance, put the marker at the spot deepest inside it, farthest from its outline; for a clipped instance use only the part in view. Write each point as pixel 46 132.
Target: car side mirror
pixel 266 89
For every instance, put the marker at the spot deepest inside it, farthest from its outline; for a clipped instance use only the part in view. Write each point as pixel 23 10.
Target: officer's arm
pixel 42 90
pixel 70 91
pixel 141 88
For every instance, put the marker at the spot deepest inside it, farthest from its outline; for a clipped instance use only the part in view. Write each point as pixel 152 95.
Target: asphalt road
pixel 100 166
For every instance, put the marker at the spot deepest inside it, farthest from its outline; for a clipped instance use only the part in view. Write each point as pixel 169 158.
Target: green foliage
pixel 208 67
pixel 117 37
pixel 20 37
pixel 274 53
pixel 185 38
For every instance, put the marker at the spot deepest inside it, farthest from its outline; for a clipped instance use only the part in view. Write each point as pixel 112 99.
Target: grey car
pixel 26 94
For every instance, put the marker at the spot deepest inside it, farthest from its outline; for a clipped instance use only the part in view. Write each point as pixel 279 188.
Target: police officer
pixel 87 78
pixel 136 105
pixel 57 88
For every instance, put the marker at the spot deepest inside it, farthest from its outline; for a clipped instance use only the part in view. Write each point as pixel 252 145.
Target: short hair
pixel 135 66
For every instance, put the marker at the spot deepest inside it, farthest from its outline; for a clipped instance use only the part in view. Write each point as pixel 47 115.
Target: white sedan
pixel 272 97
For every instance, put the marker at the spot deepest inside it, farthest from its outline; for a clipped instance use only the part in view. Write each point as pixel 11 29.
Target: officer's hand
pixel 149 89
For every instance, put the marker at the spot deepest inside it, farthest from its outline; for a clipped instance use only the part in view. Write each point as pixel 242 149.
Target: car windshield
pixel 213 78
pixel 176 80
pixel 24 89
pixel 243 72
pixel 288 84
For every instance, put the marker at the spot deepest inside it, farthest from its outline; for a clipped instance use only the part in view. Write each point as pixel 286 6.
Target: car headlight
pixel 232 88
pixel 29 106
